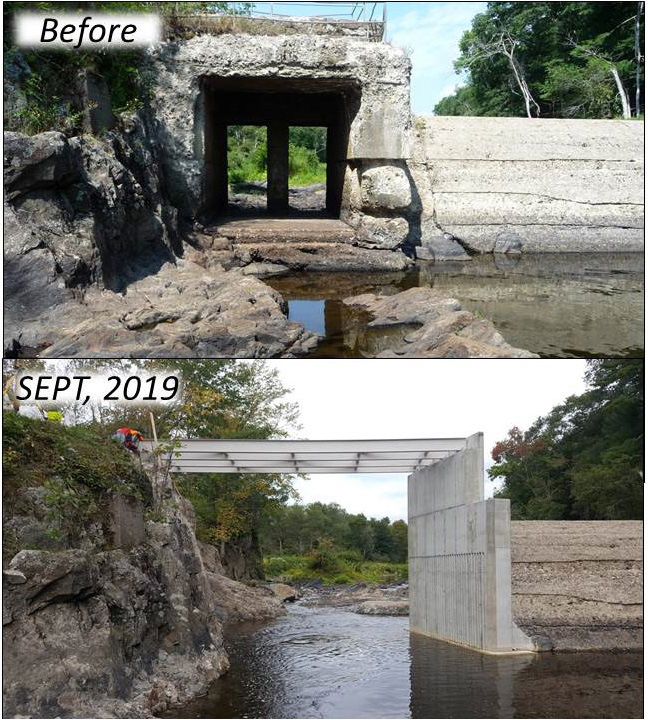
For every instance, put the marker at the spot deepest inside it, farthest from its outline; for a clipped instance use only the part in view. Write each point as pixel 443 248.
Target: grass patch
pixel 342 568
pixel 79 469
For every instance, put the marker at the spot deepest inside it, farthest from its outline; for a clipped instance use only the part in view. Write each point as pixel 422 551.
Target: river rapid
pixel 323 662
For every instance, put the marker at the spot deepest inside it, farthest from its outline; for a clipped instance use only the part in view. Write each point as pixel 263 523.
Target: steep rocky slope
pixel 108 607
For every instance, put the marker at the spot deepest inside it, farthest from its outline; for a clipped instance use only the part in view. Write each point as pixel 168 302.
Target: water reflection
pixel 329 663
pixel 555 305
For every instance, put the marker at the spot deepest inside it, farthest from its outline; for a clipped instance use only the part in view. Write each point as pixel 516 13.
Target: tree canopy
pixel 299 529
pixel 551 59
pixel 584 460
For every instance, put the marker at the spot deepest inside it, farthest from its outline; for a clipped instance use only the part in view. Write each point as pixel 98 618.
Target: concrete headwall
pixel 579 584
pixel 514 184
pixel 375 74
pixel 459 555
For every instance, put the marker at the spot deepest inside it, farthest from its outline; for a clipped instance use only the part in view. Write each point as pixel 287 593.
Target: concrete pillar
pixel 460 555
pixel 277 168
pixel 336 146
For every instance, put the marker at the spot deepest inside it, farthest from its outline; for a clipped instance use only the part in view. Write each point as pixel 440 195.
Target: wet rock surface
pixel 432 325
pixel 361 598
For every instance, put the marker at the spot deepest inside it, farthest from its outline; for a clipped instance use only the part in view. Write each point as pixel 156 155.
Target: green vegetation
pixel 221 399
pixel 551 59
pixel 341 569
pixel 319 541
pixel 78 467
pixel 248 155
pixel 584 460
pixel 47 82
pixel 300 529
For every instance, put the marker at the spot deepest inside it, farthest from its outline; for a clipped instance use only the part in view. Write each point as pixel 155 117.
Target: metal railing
pixel 359 19
pixel 360 12
pixel 369 17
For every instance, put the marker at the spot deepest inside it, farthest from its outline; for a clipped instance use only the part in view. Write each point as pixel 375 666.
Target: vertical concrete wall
pixel 460 555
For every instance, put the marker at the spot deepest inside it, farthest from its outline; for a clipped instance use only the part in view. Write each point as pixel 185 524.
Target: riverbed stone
pixel 283 592
pixel 14 577
pixel 383 607
pixel 434 325
pixel 386 233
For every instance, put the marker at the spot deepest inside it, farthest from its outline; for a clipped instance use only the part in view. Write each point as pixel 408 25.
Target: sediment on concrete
pixel 579 585
pixel 520 185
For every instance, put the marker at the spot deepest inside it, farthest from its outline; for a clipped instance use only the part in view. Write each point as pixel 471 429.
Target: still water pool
pixel 554 305
pixel 331 663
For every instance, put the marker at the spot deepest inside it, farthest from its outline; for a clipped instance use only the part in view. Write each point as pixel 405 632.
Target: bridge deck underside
pixel 308 456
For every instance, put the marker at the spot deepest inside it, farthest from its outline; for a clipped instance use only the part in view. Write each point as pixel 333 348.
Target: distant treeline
pixel 300 529
pixel 584 460
pixel 247 155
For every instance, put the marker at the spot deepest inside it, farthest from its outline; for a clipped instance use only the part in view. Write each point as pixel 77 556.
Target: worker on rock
pixel 129 438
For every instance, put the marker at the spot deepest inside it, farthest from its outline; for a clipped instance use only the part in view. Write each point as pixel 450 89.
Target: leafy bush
pixel 35 452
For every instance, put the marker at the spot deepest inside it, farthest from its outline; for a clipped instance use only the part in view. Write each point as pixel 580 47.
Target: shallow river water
pixel 331 663
pixel 567 305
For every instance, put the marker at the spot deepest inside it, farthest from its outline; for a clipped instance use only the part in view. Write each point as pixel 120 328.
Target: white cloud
pixel 431 30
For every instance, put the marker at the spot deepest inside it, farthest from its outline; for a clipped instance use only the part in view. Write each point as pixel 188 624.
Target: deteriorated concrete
pixel 520 185
pixel 579 585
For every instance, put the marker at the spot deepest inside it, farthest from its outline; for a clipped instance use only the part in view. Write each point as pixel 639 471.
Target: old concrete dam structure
pixel 444 185
pixel 460 566
pixel 140 205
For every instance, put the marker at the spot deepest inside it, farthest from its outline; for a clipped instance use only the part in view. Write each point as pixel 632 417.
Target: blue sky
pixel 428 31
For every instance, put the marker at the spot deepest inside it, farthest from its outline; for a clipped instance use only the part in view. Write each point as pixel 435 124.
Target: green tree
pixel 584 460
pixel 552 59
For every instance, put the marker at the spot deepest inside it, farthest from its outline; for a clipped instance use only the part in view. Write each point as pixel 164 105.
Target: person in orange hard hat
pixel 129 438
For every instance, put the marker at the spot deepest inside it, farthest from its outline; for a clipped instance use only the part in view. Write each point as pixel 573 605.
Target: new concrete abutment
pixel 460 555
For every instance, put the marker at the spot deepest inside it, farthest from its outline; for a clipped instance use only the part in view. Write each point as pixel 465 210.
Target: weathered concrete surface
pixel 431 324
pixel 379 72
pixel 545 185
pixel 579 585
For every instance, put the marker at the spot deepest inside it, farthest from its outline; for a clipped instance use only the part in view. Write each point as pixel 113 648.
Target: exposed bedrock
pixel 126 626
pixel 519 185
pixel 184 310
pixel 95 206
pixel 421 322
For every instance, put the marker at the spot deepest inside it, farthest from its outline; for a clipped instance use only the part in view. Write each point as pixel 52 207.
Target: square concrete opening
pixel 277 104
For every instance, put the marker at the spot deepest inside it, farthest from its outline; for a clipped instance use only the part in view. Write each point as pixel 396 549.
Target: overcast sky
pixel 366 399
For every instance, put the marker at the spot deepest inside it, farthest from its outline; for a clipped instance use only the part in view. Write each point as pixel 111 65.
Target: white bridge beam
pixel 308 456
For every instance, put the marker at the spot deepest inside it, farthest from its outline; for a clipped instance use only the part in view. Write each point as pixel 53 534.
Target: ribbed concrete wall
pixel 549 185
pixel 460 556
